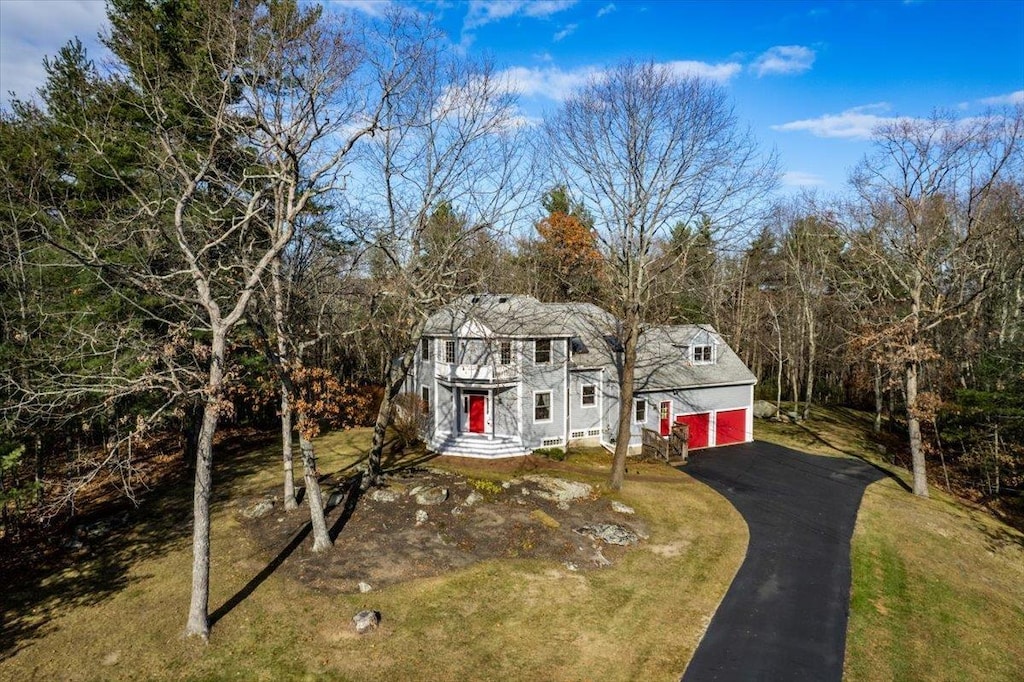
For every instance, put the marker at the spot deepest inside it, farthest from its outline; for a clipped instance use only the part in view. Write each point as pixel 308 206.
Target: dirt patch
pixel 388 536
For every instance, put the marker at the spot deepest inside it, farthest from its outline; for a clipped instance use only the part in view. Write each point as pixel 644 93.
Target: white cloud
pixel 554 83
pixel 607 9
pixel 549 82
pixel 857 123
pixel 483 12
pixel 565 32
pixel 802 179
pixel 32 30
pixel 372 8
pixel 783 60
pixel 1010 99
pixel 721 72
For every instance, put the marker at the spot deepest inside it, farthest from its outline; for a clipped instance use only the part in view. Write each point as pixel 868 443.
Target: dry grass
pixel 118 612
pixel 938 586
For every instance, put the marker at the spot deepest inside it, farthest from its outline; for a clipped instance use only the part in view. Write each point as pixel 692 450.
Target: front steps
pixel 468 445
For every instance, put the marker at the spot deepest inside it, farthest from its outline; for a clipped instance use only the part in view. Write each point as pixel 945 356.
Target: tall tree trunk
pixel 812 349
pixel 631 333
pixel 198 624
pixel 396 378
pixel 321 539
pixel 914 430
pixel 879 402
pixel 286 449
pixel 286 392
pixel 912 373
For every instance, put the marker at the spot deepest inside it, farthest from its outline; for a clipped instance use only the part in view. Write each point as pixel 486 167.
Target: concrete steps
pixel 478 446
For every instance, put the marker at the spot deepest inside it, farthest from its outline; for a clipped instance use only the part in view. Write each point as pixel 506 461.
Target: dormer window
pixel 703 355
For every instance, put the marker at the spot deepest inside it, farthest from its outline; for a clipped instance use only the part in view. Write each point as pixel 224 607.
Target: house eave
pixel 662 389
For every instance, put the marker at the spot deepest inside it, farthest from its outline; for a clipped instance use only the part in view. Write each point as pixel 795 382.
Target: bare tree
pixel 927 188
pixel 644 149
pixel 310 107
pixel 438 179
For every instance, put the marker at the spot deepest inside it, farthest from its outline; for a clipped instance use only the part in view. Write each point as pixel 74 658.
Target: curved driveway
pixel 784 616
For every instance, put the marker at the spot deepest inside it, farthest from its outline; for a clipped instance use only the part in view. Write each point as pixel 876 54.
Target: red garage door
pixel 699 426
pixel 731 427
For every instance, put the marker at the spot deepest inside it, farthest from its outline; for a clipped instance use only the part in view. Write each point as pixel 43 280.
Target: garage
pixel 731 426
pixel 699 428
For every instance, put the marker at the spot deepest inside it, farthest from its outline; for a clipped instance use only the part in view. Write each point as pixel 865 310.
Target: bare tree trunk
pixel 914 430
pixel 286 450
pixel 631 332
pixel 314 497
pixel 396 377
pixel 198 624
pixel 286 403
pixel 879 395
pixel 812 349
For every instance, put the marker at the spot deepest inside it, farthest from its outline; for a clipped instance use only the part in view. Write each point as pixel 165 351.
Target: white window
pixel 640 411
pixel 505 353
pixel 449 352
pixel 542 406
pixel 542 351
pixel 589 392
pixel 426 397
pixel 425 349
pixel 702 354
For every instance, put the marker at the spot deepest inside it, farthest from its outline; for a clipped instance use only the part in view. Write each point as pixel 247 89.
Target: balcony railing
pixel 482 373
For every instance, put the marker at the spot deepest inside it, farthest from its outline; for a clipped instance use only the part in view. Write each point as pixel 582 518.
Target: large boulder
pixel 560 490
pixel 259 509
pixel 764 409
pixel 609 533
pixel 429 495
pixel 364 621
pixel 384 495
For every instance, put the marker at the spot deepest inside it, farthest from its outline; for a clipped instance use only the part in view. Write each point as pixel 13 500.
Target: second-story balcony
pixel 477 373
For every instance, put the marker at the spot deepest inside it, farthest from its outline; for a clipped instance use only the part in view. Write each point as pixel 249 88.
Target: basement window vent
pixel 550 442
pixel 577 434
pixel 594 432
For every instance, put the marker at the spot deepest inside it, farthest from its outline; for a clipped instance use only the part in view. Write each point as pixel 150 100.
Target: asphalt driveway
pixel 784 616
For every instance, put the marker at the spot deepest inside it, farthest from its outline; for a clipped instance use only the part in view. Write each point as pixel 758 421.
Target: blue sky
pixel 810 78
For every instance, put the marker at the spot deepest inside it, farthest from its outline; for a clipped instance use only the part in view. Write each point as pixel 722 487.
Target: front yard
pixel 501 588
pixel 529 601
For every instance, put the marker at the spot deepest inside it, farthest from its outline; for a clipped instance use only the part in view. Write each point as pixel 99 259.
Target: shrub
pixel 557 454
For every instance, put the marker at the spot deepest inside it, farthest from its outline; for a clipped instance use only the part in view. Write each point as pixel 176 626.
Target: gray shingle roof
pixel 663 358
pixel 517 316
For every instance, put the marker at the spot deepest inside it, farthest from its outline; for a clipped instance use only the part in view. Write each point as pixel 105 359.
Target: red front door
pixel 666 417
pixel 476 413
pixel 730 427
pixel 699 425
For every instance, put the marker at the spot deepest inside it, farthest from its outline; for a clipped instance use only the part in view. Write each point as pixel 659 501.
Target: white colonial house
pixel 505 375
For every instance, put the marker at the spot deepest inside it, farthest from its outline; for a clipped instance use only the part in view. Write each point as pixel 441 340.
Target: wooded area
pixel 249 219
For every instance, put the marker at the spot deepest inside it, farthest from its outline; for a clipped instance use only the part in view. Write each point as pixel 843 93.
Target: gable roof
pixel 663 360
pixel 663 356
pixel 518 316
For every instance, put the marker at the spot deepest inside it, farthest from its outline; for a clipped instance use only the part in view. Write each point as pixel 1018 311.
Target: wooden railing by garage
pixel 673 449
